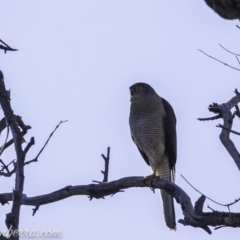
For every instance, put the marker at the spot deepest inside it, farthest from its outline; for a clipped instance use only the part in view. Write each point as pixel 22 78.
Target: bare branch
pixel 106 160
pixel 228 50
pixel 203 195
pixel 6 47
pixel 21 124
pixel 237 60
pixel 225 111
pixel 219 60
pixel 3 147
pixel 105 173
pixel 29 145
pixel 105 189
pixel 192 216
pixel 210 118
pixel 35 210
pixel 9 173
pixel 36 158
pixel 232 131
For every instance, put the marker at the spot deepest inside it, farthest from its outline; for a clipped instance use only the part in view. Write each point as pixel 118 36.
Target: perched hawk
pixel 153 129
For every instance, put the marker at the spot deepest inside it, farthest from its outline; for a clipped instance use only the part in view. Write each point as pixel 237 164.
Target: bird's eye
pixel 139 88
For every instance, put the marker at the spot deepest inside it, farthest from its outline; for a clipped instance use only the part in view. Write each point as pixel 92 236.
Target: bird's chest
pixel 148 132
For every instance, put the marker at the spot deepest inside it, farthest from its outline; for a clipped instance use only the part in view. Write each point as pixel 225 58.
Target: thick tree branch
pixel 13 222
pixel 193 216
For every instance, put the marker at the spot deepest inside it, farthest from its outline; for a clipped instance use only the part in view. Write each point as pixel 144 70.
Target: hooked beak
pixel 131 94
pixel 132 91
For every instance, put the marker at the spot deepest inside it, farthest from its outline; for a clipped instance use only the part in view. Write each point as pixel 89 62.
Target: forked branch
pixel 224 110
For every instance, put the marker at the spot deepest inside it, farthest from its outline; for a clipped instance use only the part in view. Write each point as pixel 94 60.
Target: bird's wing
pixel 142 153
pixel 170 134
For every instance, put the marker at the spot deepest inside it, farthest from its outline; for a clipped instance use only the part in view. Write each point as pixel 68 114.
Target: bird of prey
pixel 228 9
pixel 153 129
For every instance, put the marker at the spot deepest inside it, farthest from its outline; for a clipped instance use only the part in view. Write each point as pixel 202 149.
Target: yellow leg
pixel 148 179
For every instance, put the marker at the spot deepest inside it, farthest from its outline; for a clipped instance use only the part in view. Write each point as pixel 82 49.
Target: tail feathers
pixel 165 172
pixel 168 210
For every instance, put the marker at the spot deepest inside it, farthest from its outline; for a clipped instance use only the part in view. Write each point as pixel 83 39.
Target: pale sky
pixel 76 61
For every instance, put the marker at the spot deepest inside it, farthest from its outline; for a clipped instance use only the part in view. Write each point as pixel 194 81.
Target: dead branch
pixel 105 172
pixel 51 134
pixel 219 60
pixel 210 118
pixel 193 216
pixel 21 124
pixel 20 157
pixel 106 160
pixel 5 171
pixel 221 204
pixel 228 50
pixel 232 131
pixel 225 111
pixel 6 47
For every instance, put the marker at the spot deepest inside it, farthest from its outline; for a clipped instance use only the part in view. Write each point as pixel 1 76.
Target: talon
pixel 149 179
pixel 153 189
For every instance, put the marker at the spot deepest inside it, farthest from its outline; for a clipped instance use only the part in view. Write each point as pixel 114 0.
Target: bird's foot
pixel 148 181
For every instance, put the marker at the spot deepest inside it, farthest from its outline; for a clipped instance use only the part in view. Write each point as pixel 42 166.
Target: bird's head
pixel 140 91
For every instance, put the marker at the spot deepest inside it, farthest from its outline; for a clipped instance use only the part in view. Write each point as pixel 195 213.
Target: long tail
pixel 168 205
pixel 168 210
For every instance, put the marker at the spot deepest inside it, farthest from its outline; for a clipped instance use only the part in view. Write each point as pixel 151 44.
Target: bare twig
pixel 8 173
pixel 3 147
pixel 6 47
pixel 35 210
pixel 224 205
pixel 106 167
pixel 210 118
pixel 4 166
pixel 29 145
pixel 36 158
pixel 21 124
pixel 238 60
pixel 232 131
pixel 106 160
pixel 237 112
pixel 219 60
pixel 211 208
pixel 228 50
